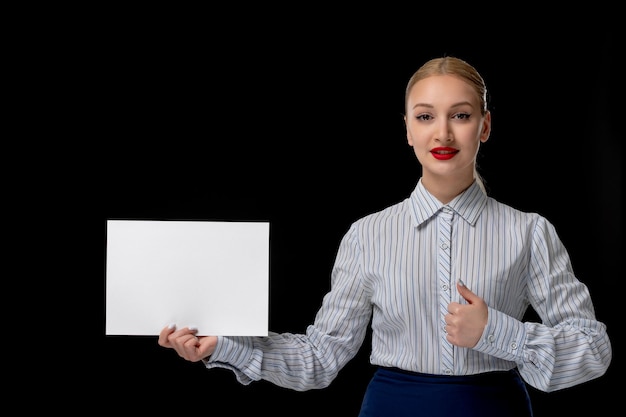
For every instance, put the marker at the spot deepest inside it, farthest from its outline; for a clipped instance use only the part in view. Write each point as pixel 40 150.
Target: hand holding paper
pixel 186 343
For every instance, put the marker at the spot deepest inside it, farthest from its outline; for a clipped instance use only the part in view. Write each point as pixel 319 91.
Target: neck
pixel 446 189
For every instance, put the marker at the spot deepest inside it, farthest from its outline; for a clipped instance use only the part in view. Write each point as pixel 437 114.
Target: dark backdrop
pixel 301 126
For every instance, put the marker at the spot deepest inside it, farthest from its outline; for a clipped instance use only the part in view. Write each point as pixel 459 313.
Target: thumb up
pixel 465 323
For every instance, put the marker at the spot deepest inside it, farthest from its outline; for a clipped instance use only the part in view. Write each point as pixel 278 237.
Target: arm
pixel 570 346
pixel 296 361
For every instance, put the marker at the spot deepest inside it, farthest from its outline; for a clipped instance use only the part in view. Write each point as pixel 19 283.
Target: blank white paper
pixel 209 274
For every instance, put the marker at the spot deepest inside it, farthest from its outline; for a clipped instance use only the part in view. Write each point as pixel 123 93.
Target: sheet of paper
pixel 208 274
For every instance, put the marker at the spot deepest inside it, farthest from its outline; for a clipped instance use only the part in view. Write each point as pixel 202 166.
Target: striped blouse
pixel 396 270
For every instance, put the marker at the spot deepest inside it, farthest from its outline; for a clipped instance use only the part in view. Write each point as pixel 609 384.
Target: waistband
pixel 493 377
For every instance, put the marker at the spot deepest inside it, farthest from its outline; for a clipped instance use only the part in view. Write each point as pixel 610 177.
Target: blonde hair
pixel 449 65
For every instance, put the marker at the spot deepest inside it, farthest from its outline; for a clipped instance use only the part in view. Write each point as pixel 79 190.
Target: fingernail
pixel 171 326
pixel 193 328
pixel 461 282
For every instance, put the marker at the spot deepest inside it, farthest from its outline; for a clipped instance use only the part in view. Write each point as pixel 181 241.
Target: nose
pixel 444 134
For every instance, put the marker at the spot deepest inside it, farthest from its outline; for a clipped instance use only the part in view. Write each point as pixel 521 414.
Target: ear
pixel 486 127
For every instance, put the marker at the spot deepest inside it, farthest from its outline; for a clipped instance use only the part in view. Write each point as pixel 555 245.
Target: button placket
pixel 444 254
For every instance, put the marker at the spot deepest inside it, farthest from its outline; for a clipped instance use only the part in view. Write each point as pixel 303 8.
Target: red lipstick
pixel 443 153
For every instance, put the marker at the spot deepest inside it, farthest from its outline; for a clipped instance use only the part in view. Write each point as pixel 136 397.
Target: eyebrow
pixel 430 106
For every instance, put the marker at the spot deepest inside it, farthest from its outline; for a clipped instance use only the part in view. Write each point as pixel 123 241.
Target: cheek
pixel 418 139
pixel 419 146
pixel 413 136
pixel 409 135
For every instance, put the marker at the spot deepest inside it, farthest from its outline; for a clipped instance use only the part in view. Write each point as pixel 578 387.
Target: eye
pixel 423 117
pixel 462 116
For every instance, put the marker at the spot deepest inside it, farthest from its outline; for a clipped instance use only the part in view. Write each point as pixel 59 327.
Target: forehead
pixel 442 89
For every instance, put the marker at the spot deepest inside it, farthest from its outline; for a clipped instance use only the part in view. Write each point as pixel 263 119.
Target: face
pixel 445 127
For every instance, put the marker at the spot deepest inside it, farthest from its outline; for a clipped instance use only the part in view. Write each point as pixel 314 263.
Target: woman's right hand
pixel 185 342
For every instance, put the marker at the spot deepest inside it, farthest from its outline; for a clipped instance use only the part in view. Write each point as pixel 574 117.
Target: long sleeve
pixel 311 360
pixel 570 346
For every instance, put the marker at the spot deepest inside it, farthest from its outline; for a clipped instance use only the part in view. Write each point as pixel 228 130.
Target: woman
pixel 446 277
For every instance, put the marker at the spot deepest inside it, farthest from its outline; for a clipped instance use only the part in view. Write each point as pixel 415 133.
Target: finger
pixel 190 330
pixel 182 341
pixel 194 348
pixel 466 293
pixel 191 345
pixel 184 344
pixel 206 346
pixel 454 307
pixel 164 335
pixel 193 339
pixel 191 349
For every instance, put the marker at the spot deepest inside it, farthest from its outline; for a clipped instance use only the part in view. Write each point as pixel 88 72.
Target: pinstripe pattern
pixel 444 256
pixel 387 269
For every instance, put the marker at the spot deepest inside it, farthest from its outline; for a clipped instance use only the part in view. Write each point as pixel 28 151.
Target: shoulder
pixel 379 222
pixel 390 213
pixel 496 206
pixel 511 215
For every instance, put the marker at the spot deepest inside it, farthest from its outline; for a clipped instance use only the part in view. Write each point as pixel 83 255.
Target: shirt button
pixel 513 345
pixel 491 338
pixel 444 246
pixel 448 372
pixel 445 287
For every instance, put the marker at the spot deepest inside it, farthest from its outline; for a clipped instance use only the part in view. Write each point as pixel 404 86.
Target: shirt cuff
pixel 503 337
pixel 234 353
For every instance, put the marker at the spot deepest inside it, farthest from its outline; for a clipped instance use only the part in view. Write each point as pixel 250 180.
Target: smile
pixel 443 153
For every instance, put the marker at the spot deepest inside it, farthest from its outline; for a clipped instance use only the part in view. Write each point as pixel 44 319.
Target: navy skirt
pixel 397 393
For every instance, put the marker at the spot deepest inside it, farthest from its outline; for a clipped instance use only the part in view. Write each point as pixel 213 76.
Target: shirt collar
pixel 468 204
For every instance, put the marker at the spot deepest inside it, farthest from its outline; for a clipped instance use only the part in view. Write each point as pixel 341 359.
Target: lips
pixel 443 153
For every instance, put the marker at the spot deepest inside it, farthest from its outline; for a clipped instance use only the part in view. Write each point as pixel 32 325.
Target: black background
pixel 300 124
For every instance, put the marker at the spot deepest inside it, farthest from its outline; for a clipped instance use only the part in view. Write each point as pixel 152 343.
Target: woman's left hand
pixel 465 323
